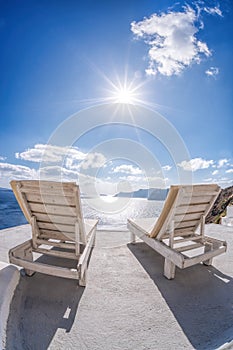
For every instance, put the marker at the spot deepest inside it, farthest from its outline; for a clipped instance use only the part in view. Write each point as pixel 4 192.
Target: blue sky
pixel 60 60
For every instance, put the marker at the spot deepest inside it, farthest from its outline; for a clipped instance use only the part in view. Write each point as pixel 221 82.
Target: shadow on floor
pixel 200 298
pixel 42 304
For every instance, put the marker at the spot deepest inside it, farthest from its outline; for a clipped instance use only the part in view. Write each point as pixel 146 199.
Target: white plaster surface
pixel 127 303
pixel 9 278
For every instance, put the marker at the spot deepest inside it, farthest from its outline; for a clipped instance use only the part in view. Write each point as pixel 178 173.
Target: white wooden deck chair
pixel 178 233
pixel 58 229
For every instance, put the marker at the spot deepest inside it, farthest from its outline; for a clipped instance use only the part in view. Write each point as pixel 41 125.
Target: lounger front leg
pixel 169 269
pixel 83 280
pixel 29 257
pixel 24 252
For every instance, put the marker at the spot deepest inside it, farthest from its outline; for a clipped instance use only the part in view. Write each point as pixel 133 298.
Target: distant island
pixel 157 194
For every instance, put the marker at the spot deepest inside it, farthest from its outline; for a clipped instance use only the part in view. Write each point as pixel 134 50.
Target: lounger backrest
pixel 185 206
pixel 55 206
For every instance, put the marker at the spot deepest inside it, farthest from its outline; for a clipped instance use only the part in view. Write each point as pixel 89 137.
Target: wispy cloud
pixel 196 164
pixel 49 153
pixel 172 39
pixel 136 182
pixel 222 162
pixel 225 181
pixel 93 160
pixel 166 167
pixel 2 158
pixel 229 171
pixel 215 172
pixel 58 173
pixel 213 10
pixel 222 181
pixel 71 158
pixel 127 169
pixel 13 171
pixel 212 71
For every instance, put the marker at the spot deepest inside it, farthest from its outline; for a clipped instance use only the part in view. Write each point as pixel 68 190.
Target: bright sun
pixel 124 95
pixel 123 90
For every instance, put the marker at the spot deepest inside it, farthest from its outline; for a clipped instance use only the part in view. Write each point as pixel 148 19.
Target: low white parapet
pixel 228 219
pixel 9 278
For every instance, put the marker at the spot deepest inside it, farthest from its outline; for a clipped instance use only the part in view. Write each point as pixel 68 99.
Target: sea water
pixel 112 212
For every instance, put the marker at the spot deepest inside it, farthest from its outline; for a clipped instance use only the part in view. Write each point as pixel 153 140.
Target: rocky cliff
pixel 218 210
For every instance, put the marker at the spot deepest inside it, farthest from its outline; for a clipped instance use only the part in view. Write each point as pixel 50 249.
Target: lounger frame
pixel 58 229
pixel 178 240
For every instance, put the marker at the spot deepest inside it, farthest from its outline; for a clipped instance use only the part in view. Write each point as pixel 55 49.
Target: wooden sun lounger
pixel 58 229
pixel 175 233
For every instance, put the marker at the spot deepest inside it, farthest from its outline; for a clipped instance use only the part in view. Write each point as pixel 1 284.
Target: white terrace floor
pixel 127 303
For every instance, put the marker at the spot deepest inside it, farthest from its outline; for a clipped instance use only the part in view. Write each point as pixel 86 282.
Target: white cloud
pixel 209 179
pixel 222 162
pixel 93 160
pixel 166 167
pixel 173 42
pixel 225 181
pixel 2 158
pixel 131 178
pixel 215 172
pixel 58 173
pixel 13 171
pixel 212 71
pixel 158 182
pixel 229 171
pixel 49 153
pixel 196 164
pixel 127 169
pixel 136 182
pixel 71 157
pixel 213 11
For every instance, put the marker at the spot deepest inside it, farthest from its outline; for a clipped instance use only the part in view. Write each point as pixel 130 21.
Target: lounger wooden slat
pixel 58 228
pixel 56 243
pixel 63 210
pixel 180 228
pixel 187 217
pixel 47 234
pixel 185 224
pixel 56 219
pixel 190 209
pixel 195 200
pixel 47 199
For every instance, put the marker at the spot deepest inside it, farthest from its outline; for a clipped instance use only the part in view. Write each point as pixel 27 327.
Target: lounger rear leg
pixel 132 237
pixel 169 269
pixel 208 247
